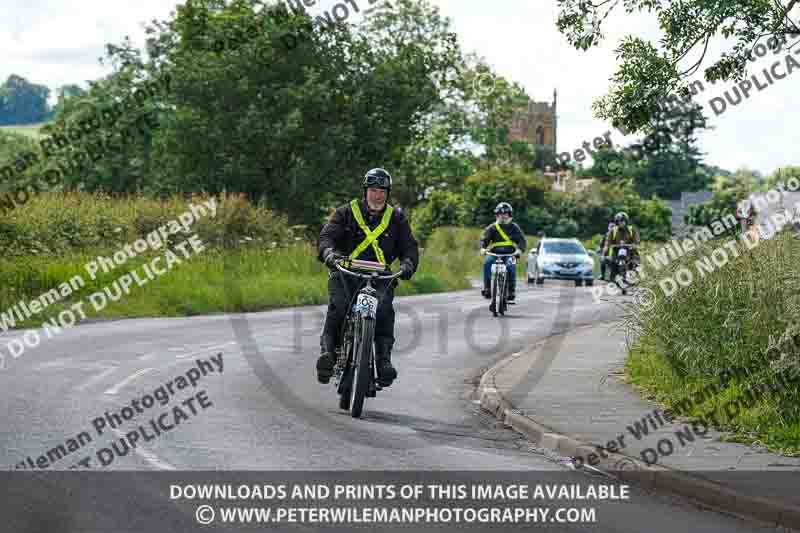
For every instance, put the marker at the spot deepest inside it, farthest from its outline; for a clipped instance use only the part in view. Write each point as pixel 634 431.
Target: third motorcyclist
pixel 622 233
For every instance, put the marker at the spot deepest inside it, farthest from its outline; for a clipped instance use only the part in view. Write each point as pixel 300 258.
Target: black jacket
pixel 343 234
pixel 490 235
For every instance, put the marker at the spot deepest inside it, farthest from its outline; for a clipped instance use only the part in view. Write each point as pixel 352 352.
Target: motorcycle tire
pixel 344 397
pixel 493 305
pixel 503 304
pixel 362 370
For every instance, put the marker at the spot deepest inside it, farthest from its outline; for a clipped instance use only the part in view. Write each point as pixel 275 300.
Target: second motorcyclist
pixel 502 237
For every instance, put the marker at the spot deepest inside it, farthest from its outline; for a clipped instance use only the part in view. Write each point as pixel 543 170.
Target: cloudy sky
pixel 55 42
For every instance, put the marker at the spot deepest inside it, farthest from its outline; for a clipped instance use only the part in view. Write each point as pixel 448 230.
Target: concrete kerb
pixel 651 477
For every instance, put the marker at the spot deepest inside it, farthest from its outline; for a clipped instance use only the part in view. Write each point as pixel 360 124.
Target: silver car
pixel 560 259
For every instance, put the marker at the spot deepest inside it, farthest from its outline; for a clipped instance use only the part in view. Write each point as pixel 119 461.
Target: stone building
pixel 537 124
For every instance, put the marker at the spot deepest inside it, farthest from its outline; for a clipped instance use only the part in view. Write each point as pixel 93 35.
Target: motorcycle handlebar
pixel 500 255
pixel 372 275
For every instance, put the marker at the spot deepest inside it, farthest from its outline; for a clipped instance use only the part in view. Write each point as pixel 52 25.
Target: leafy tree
pixel 64 93
pixel 648 72
pixel 12 145
pixel 782 175
pixel 531 158
pixel 292 123
pixel 607 165
pixel 588 212
pixel 723 202
pixel 22 102
pixel 711 170
pixel 298 128
pixel 728 192
pixel 671 158
pixel 443 208
pixel 487 188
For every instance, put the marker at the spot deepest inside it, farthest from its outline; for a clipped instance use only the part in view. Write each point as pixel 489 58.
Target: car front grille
pixel 567 265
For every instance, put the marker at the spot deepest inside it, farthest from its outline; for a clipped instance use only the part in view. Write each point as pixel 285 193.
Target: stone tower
pixel 537 124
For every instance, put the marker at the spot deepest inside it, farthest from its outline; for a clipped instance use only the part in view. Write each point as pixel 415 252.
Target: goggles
pixel 380 182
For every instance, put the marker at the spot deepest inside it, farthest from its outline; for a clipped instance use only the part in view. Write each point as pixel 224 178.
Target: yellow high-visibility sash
pixel 371 236
pixel 506 242
pixel 614 236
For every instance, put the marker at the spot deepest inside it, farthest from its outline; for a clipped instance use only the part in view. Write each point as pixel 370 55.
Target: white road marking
pixel 94 379
pixel 56 363
pixel 148 456
pixel 210 348
pixel 115 388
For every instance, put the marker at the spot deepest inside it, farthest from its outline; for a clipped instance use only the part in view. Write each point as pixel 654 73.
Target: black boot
pixel 327 358
pixel 486 292
pixel 383 362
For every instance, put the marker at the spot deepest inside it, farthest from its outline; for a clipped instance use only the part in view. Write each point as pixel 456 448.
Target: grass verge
pixel 726 348
pixel 243 279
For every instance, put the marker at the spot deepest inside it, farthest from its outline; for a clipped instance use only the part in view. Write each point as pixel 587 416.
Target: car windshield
pixel 563 248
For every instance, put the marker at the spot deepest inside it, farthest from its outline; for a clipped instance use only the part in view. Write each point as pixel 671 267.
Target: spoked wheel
pixel 493 305
pixel 619 278
pixel 347 375
pixel 362 371
pixel 503 304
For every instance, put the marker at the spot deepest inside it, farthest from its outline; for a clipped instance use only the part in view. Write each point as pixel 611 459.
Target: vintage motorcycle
pixel 624 266
pixel 354 372
pixel 499 286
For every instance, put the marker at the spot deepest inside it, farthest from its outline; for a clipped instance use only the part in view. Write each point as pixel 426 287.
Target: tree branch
pixel 694 67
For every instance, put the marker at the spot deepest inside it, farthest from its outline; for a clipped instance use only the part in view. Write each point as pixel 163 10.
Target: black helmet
pixel 620 217
pixel 503 207
pixel 377 178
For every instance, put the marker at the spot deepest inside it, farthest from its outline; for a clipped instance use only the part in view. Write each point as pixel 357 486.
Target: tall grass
pixel 253 261
pixel 29 130
pixel 740 318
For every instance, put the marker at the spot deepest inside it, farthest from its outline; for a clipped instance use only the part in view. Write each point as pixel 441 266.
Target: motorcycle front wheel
pixel 620 280
pixel 362 369
pixel 503 303
pixel 493 304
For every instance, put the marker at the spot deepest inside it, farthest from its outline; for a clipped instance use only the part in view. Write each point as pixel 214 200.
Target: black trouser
pixel 338 302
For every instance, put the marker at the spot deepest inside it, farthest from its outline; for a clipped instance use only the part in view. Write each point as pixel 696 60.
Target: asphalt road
pixel 265 410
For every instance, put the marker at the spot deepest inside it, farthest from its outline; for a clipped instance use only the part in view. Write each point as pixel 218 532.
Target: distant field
pixel 30 130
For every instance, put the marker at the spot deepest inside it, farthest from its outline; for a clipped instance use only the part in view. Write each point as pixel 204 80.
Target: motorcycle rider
pixel 502 237
pixel 622 233
pixel 601 247
pixel 745 214
pixel 368 229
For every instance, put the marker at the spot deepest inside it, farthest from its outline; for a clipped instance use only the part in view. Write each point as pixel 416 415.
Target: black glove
pixel 406 269
pixel 331 256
